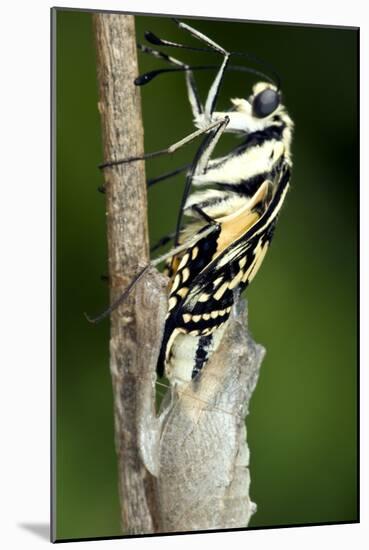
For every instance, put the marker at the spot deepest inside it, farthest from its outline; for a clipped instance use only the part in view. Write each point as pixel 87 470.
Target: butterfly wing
pixel 209 277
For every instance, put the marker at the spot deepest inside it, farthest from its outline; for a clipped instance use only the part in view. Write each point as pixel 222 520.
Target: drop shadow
pixel 42 530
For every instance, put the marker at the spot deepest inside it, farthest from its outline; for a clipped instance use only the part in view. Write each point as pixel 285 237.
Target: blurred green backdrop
pixel 302 306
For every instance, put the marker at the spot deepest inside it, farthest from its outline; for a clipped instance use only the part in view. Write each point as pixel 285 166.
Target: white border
pixel 24 416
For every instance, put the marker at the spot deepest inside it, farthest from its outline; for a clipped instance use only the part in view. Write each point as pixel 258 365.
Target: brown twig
pixel 132 324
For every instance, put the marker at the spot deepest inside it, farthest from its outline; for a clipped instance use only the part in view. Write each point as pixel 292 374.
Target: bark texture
pixel 132 333
pixel 187 468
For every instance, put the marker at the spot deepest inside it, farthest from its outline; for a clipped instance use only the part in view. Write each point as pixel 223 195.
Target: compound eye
pixel 265 103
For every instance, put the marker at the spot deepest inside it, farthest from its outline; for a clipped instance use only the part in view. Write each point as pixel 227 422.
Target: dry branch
pixel 188 468
pixel 131 326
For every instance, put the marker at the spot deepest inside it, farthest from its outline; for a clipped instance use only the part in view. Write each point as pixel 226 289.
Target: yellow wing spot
pixel 196 318
pixel 182 292
pixel 195 252
pixel 214 314
pixel 236 280
pixel 206 316
pixel 222 312
pixel 194 332
pixel 217 281
pixel 221 290
pixel 258 261
pixel 184 260
pixel 185 273
pixel 187 317
pixel 172 302
pixel 176 282
pixel 204 297
pixel 228 309
pixel 246 275
pixel 242 262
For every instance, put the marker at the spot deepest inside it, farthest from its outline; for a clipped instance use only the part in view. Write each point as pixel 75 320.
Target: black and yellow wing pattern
pixel 207 279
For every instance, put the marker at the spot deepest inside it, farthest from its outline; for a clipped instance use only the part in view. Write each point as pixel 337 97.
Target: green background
pixel 302 306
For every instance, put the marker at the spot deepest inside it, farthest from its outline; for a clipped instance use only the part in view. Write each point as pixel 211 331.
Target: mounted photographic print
pixel 205 194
